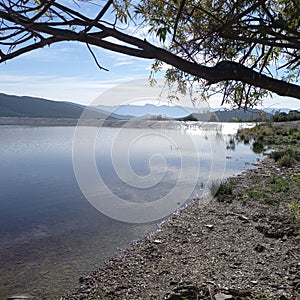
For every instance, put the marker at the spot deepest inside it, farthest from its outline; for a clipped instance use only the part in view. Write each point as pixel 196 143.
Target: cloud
pixel 15 78
pixel 74 89
pixel 124 63
pixel 62 52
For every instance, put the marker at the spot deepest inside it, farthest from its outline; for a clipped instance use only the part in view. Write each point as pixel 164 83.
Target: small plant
pixel 261 295
pixel 244 138
pixel 291 131
pixel 295 214
pixel 289 153
pixel 254 194
pixel 279 184
pixel 225 188
pixel 231 144
pixel 222 190
pixel 271 201
pixel 286 161
pixel 258 147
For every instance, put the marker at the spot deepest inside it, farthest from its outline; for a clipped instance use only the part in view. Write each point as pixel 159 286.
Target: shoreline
pixel 114 123
pixel 135 123
pixel 243 246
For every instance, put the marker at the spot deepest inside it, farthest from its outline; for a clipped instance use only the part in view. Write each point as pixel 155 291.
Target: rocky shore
pixel 242 244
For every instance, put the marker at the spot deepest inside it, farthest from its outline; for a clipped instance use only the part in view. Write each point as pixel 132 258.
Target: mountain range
pixel 31 107
pixel 230 115
pixel 168 111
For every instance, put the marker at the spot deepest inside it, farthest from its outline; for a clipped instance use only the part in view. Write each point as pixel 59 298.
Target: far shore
pixel 133 123
pixel 136 123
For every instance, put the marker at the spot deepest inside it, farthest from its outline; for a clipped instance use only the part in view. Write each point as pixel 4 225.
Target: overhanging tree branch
pixel 226 42
pixel 225 70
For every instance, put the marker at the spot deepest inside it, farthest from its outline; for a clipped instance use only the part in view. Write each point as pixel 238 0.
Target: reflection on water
pixel 50 235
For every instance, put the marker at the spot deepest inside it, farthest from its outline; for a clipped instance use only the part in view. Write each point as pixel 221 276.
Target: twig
pixel 95 58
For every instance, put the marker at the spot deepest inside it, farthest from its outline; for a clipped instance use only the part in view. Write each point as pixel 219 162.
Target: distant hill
pixel 173 111
pixel 242 115
pixel 15 106
pixel 150 111
pixel 229 116
pixel 31 107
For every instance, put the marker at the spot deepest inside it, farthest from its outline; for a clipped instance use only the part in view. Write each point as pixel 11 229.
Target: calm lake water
pixel 50 234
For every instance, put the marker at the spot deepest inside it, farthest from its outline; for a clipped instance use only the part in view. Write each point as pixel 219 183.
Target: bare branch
pixel 100 15
pixel 26 49
pixel 95 58
pixel 182 3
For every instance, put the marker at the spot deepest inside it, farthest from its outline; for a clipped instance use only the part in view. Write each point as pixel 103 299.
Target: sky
pixel 67 72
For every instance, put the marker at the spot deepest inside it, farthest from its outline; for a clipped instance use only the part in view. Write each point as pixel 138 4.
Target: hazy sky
pixel 67 72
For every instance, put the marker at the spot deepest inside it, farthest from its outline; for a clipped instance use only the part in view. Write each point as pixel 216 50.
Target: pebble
pixel 209 226
pixel 221 296
pixel 19 297
pixel 157 241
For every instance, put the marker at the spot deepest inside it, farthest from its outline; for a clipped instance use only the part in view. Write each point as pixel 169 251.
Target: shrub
pixel 225 188
pixel 221 190
pixel 295 214
pixel 277 155
pixel 258 147
pixel 286 160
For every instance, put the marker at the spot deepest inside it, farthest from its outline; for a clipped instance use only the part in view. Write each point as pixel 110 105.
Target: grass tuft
pixel 286 161
pixel 222 190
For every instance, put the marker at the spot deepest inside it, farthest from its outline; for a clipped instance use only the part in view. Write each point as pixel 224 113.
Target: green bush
pixel 222 190
pixel 295 214
pixel 286 161
pixel 277 155
pixel 258 147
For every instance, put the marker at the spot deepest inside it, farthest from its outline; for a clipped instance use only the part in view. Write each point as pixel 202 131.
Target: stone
pixel 21 296
pixel 221 296
pixel 210 226
pixel 243 218
pixel 259 248
pixel 157 241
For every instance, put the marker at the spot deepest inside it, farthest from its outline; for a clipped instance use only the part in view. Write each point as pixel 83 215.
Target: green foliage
pixel 261 295
pixel 278 184
pixel 286 161
pixel 209 32
pixel 285 155
pixel 258 147
pixel 295 214
pixel 122 10
pixel 271 134
pixel 292 115
pixel 222 190
pixel 270 191
pixel 255 194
